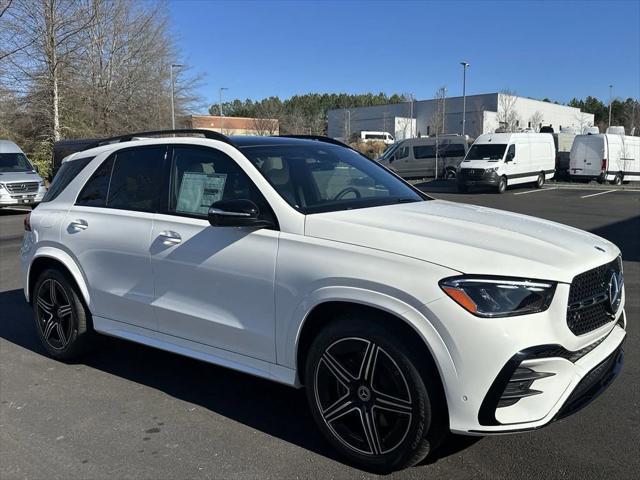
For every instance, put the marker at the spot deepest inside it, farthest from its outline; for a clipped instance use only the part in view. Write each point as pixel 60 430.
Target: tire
pixel 462 188
pixel 63 321
pixel 502 185
pixel 450 175
pixel 618 179
pixel 370 398
pixel 540 181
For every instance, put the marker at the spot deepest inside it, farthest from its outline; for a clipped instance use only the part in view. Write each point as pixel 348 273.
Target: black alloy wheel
pixel 62 319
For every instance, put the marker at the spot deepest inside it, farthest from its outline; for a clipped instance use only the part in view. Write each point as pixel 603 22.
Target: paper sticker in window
pixel 199 190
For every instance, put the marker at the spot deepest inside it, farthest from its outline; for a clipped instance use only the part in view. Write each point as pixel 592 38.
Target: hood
pixel 8 177
pixel 468 239
pixel 484 164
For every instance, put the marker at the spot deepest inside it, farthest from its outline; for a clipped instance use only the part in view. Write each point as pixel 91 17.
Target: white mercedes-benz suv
pixel 301 261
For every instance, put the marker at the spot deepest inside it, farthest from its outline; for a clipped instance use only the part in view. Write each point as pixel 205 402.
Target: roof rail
pixel 211 135
pixel 319 138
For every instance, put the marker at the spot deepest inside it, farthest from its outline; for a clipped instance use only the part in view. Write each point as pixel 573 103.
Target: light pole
pixel 610 99
pixel 444 106
pixel 173 113
pixel 464 95
pixel 220 104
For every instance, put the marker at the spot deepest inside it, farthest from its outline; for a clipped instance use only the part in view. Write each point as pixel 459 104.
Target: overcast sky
pixel 539 49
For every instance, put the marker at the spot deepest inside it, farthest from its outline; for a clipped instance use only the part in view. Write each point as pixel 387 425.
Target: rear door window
pixel 128 180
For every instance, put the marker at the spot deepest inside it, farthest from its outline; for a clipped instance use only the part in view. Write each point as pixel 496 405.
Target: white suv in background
pixel 301 261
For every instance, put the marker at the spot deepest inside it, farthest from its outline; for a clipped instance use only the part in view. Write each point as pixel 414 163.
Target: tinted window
pixel 137 179
pixel 403 152
pixel 67 172
pixel 424 151
pixel 454 150
pixel 319 178
pixel 94 193
pixel 202 176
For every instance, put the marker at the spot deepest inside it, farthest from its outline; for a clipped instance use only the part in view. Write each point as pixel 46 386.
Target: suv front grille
pixel 589 298
pixel 19 188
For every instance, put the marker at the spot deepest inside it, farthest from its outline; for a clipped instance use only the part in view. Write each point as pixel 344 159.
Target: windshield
pixel 486 151
pixel 388 153
pixel 14 162
pixel 324 178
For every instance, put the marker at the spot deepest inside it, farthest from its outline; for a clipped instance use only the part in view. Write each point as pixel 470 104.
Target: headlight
pixel 1 187
pixel 41 184
pixel 491 170
pixel 499 296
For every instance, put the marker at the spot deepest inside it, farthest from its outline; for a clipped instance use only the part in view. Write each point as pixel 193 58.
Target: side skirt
pixel 198 351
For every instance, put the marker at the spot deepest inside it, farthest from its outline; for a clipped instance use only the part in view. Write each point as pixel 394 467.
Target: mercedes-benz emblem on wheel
pixel 615 291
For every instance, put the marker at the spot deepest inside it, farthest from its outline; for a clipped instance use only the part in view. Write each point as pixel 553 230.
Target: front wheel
pixel 502 185
pixel 368 397
pixel 450 175
pixel 540 180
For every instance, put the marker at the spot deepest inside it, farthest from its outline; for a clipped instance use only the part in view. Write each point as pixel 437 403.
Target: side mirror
pixel 36 168
pixel 235 213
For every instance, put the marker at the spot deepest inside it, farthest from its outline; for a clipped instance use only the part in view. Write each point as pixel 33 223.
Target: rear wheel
pixel 369 398
pixel 618 179
pixel 540 180
pixel 62 319
pixel 502 184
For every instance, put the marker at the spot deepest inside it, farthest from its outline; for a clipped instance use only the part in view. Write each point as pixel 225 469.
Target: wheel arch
pixel 410 325
pixel 50 257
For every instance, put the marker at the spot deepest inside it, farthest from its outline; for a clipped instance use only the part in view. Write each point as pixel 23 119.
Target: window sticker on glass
pixel 199 190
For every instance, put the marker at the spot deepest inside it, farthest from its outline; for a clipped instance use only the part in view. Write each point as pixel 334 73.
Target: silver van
pixel 20 184
pixel 417 157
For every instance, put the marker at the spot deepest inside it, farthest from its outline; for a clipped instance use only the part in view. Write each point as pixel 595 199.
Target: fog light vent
pixel 519 386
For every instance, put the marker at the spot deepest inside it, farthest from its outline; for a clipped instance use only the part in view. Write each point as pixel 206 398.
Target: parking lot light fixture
pixel 464 95
pixel 220 90
pixel 610 101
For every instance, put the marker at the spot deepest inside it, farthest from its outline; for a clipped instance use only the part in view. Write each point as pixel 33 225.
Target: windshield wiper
pixel 406 200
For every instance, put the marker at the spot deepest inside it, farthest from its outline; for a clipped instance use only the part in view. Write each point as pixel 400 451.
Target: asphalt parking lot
pixel 129 411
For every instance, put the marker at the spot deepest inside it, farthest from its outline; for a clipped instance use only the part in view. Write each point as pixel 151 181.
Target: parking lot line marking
pixel 537 190
pixel 599 193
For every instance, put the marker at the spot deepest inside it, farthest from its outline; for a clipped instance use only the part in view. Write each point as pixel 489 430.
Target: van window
pixel 454 150
pixel 424 151
pixel 14 162
pixel 402 152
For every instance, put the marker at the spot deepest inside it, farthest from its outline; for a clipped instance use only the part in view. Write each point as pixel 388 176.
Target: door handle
pixel 79 224
pixel 169 237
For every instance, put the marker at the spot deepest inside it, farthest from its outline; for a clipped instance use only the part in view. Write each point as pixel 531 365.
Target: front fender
pixel 403 311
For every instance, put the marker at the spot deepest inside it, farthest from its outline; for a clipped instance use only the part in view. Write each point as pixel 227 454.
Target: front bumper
pixel 489 354
pixel 28 199
pixel 487 179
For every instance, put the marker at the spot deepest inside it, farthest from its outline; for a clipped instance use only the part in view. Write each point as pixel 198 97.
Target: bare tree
pixel 536 120
pixel 582 119
pixel 507 115
pixel 436 123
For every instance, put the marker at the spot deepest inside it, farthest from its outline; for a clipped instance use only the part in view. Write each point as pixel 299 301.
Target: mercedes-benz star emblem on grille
pixel 615 291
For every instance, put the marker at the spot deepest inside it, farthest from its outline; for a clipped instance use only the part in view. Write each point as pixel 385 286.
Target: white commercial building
pixel 484 114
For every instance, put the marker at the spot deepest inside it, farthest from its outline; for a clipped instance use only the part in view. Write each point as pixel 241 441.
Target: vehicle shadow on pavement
pixel 274 409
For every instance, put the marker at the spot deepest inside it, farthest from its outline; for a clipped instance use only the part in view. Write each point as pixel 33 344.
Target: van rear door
pixel 588 158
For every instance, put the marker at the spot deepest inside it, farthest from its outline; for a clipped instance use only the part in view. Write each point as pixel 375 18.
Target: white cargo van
pixel 420 157
pixel 502 159
pixel 384 137
pixel 605 157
